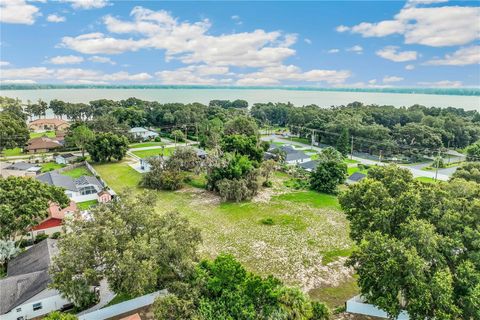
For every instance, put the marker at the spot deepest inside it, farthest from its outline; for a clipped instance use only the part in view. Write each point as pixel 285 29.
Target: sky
pixel 366 44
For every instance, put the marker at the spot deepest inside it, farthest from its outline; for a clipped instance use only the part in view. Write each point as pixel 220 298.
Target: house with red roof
pixel 53 223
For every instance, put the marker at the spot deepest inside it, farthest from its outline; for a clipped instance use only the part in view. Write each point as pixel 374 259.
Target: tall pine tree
pixel 343 143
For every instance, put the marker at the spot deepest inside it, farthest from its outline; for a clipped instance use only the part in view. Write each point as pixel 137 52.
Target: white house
pixel 66 158
pixel 358 305
pixel 143 133
pixel 24 292
pixel 292 155
pixel 82 189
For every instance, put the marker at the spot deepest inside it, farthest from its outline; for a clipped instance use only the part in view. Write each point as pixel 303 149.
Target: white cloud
pixel 18 11
pixel 442 84
pixel 430 26
pixel 409 67
pixel 71 59
pixel 4 63
pixel 373 81
pixel 55 18
pixel 99 59
pixel 195 75
pixel 87 4
pixel 392 53
pixel 70 75
pixel 357 49
pixel 237 20
pixel 185 41
pixel 390 79
pixel 294 73
pixel 342 28
pixel 334 50
pixel 17 81
pixel 461 57
pixel 308 41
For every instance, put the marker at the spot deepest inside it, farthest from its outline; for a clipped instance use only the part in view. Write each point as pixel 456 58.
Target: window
pixel 37 306
pixel 20 318
pixel 88 190
pixel 19 309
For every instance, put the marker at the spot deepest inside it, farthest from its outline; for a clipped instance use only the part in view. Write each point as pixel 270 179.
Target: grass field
pixel 77 172
pixel 49 134
pixel 49 166
pixel 427 180
pixel 153 152
pixel 86 204
pixel 304 245
pixel 146 144
pixel 12 152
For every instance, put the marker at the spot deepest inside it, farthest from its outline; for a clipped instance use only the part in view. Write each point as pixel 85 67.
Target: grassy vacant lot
pixel 153 152
pixel 146 144
pixel 304 242
pixel 77 172
pixel 12 152
pixel 427 180
pixel 49 134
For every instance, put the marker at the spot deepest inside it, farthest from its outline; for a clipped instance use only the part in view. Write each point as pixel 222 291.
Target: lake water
pixel 299 98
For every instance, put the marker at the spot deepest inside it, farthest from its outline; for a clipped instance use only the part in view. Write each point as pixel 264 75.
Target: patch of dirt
pixel 201 196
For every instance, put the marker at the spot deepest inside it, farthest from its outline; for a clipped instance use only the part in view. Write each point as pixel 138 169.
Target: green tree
pixel 241 125
pixel 223 289
pixel 56 315
pixel 243 145
pixel 178 136
pixel 135 248
pixel 163 175
pixel 343 142
pixel 107 146
pixel 81 137
pixel 330 171
pixel 13 131
pixel 469 171
pixel 24 203
pixel 473 152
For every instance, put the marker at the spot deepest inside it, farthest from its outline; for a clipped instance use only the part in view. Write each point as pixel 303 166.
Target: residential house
pixel 41 125
pixel 104 196
pixel 19 169
pixel 24 292
pixel 356 177
pixel 292 155
pixel 309 165
pixel 145 163
pixel 42 144
pixel 53 223
pixel 142 133
pixel 66 158
pixel 82 189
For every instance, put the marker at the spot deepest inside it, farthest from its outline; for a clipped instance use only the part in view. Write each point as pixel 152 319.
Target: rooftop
pixel 24 166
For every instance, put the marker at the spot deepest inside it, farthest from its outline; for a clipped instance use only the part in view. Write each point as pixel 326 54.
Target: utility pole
pixel 437 162
pixel 351 150
pixel 380 157
pixel 313 137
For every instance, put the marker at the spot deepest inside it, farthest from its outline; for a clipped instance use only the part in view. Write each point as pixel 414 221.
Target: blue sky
pixel 416 43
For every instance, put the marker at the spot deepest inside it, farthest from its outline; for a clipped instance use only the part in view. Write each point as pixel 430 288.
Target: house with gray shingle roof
pixel 24 292
pixel 82 189
pixel 309 165
pixel 292 155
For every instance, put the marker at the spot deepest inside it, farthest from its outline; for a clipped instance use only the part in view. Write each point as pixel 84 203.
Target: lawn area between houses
pixel 305 243
pixel 146 144
pixel 77 172
pixel 50 134
pixel 12 152
pixel 153 152
pixel 86 204
pixel 50 166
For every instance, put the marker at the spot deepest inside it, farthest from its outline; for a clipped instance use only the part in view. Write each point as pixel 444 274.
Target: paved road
pixel 417 172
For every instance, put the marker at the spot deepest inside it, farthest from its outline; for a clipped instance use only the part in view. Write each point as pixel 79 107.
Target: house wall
pixel 50 300
pixel 47 231
pixel 79 198
pixel 60 160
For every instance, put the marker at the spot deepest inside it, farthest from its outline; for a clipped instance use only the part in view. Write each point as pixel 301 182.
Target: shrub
pixel 158 139
pixel 267 221
pixel 55 235
pixel 40 237
pixel 267 184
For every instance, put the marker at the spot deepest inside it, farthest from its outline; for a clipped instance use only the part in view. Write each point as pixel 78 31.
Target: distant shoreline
pixel 434 91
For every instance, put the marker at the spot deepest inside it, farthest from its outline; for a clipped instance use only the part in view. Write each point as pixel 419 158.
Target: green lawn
pixel 427 180
pixel 13 152
pixel 301 140
pixel 49 166
pixel 86 204
pixel 348 161
pixel 153 152
pixel 49 134
pixel 305 245
pixel 146 144
pixel 77 172
pixel 447 165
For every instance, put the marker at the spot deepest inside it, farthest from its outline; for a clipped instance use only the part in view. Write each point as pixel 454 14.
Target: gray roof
pixel 67 155
pixel 24 166
pixel 357 176
pixel 27 275
pixel 297 155
pixel 55 179
pixel 86 180
pixel 309 165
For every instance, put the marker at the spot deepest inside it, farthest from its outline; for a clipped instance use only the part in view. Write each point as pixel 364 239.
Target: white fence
pixel 357 305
